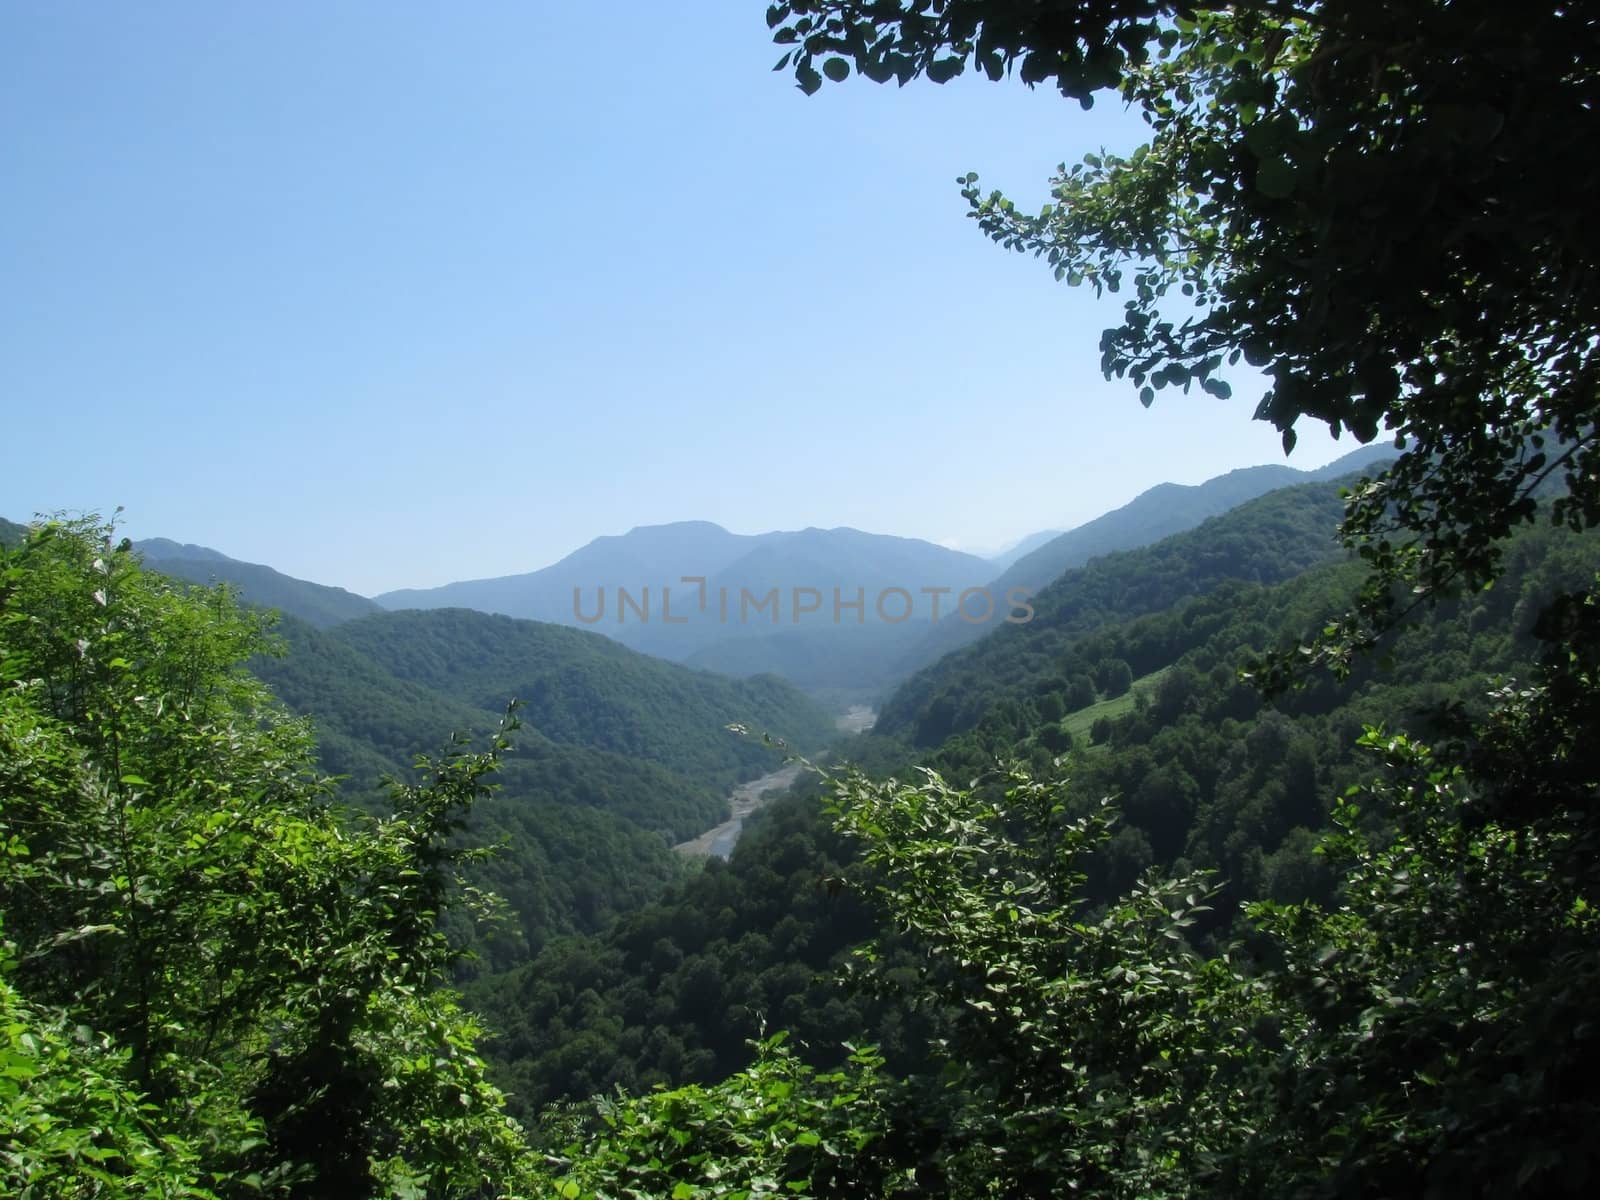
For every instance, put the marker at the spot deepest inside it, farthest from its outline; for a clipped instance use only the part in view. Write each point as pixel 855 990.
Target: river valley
pixel 752 794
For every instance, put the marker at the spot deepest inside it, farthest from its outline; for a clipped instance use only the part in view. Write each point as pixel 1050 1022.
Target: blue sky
pixel 392 294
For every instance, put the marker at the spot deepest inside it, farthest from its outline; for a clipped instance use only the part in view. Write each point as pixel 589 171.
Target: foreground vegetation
pixel 219 982
pixel 216 981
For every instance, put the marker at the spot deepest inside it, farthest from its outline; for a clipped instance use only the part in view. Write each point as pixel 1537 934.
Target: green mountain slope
pixel 586 832
pixel 262 586
pixel 1164 510
pixel 1172 508
pixel 1207 772
pixel 11 534
pixel 584 689
pixel 371 723
pixel 1264 541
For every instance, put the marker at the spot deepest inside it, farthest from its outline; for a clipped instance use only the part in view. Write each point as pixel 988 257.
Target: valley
pixel 674 887
pixel 530 715
pixel 748 797
pixel 719 840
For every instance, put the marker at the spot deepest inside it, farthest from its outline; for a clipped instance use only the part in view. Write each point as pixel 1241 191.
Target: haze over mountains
pixel 839 613
pixel 316 603
pixel 1164 510
pixel 657 566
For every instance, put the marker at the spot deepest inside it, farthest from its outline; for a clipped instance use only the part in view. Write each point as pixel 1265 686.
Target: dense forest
pixel 1263 862
pixel 1209 774
pixel 620 756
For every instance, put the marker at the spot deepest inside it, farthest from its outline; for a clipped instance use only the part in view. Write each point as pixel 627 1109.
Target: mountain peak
pixel 160 549
pixel 699 527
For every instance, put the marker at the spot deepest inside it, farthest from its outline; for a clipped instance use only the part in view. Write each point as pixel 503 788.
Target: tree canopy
pixel 212 981
pixel 1385 207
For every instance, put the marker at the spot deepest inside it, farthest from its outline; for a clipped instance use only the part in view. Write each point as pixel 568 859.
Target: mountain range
pixel 1158 513
pixel 840 613
pixel 316 603
pixel 676 589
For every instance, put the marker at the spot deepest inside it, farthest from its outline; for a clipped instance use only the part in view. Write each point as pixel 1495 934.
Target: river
pixel 752 794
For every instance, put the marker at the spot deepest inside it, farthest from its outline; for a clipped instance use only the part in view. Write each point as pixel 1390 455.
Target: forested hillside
pixel 315 603
pixel 620 755
pixel 1264 862
pixel 578 687
pixel 1172 508
pixel 1208 775
pixel 1164 510
pixel 1263 541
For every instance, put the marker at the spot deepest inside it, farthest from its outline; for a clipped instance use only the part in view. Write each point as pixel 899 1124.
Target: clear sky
pixel 390 294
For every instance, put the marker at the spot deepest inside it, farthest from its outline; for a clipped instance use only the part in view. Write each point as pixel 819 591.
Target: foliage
pixel 1435 1026
pixel 72 1125
pixel 1302 159
pixel 251 981
pixel 777 1128
pixel 1090 1054
pixel 1446 1006
pixel 1427 1032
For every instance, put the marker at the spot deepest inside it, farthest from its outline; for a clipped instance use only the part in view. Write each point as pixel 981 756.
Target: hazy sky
pixel 392 294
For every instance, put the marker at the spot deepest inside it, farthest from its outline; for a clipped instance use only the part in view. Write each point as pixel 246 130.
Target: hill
pixel 582 589
pixel 11 534
pixel 316 603
pixel 1164 510
pixel 1265 541
pixel 621 755
pixel 580 688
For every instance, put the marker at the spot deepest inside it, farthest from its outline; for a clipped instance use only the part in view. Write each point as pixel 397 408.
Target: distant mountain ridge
pixel 315 603
pixel 1262 541
pixel 1170 508
pixel 1160 512
pixel 1021 547
pixel 765 603
pixel 583 588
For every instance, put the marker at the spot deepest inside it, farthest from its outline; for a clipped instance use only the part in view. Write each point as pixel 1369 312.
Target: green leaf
pixel 1276 178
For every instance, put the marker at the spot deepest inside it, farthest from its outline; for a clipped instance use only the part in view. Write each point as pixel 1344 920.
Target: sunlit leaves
pixel 1082 1037
pixel 222 941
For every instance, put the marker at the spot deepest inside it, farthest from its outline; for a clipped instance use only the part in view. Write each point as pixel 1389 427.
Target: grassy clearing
pixel 1079 723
